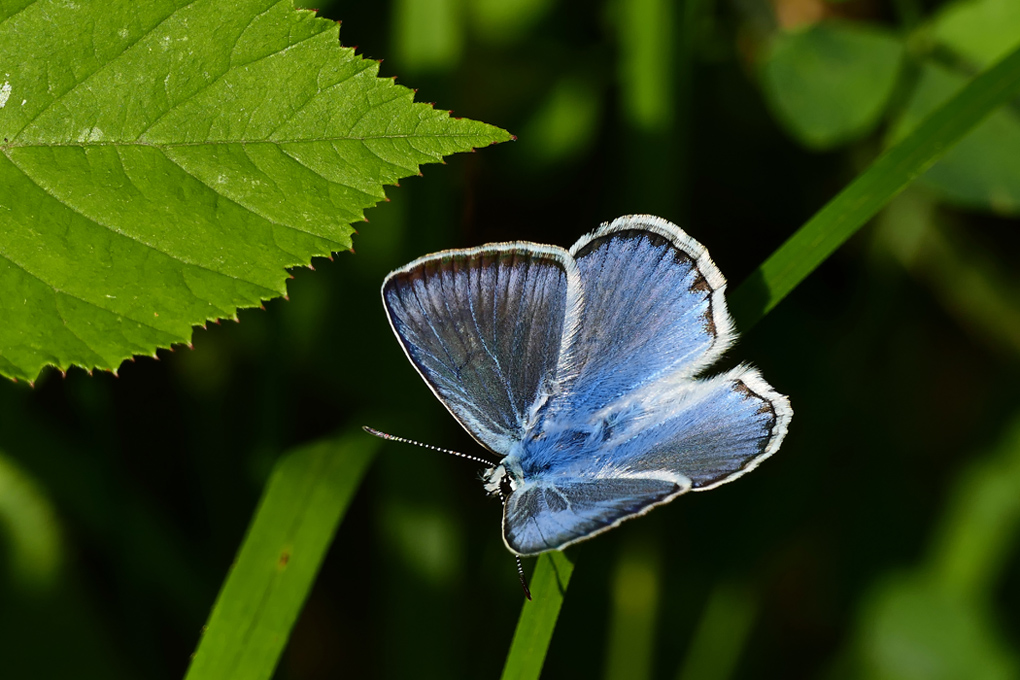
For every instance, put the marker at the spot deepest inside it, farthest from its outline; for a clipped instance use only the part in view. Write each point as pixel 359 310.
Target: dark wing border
pixel 756 386
pixel 572 306
pixel 720 320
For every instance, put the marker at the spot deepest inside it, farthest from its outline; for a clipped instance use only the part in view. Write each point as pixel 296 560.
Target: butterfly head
pixel 503 479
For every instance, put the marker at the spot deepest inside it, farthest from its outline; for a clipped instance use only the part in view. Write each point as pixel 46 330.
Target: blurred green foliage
pixel 831 82
pixel 882 541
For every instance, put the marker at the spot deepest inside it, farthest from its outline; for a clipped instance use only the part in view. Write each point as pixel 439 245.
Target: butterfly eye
pixel 506 484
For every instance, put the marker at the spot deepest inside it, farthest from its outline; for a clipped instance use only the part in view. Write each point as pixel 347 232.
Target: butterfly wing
pixel 711 431
pixel 654 306
pixel 546 516
pixel 643 450
pixel 484 328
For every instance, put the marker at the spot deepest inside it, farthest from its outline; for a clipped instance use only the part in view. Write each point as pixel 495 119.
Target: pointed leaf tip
pixel 276 216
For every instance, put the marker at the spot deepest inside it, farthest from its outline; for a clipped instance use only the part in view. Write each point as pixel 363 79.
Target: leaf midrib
pixel 135 239
pixel 5 146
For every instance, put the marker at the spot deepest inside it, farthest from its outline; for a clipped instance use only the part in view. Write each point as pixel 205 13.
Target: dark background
pixel 842 556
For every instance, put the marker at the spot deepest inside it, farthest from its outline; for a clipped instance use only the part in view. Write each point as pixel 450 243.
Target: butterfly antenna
pixel 392 437
pixel 520 575
pixel 520 567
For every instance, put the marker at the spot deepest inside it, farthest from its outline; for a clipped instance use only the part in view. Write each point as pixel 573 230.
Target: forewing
pixel 654 307
pixel 551 516
pixel 484 328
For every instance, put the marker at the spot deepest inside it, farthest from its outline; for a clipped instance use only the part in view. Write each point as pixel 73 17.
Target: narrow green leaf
pixel 538 617
pixel 307 495
pixel 866 195
pixel 165 166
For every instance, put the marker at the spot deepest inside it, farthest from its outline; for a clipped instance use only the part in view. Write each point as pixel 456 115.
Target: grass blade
pixel 538 618
pixel 307 495
pixel 866 195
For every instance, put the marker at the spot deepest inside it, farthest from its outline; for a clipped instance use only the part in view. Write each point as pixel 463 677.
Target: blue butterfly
pixel 580 370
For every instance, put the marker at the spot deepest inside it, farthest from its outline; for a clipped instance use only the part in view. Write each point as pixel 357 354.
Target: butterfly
pixel 581 371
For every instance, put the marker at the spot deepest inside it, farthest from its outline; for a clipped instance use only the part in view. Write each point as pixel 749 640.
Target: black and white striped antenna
pixel 395 438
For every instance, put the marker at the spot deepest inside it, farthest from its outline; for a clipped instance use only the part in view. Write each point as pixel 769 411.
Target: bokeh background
pixel 880 542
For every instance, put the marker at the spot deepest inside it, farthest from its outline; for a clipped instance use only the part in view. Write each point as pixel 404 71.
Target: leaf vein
pixel 339 138
pixel 102 66
pixel 231 67
pixel 375 199
pixel 297 110
pixel 372 151
pixel 251 210
pixel 90 303
pixel 130 237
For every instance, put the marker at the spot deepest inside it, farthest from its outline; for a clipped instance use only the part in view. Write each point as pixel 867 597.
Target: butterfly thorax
pixel 541 456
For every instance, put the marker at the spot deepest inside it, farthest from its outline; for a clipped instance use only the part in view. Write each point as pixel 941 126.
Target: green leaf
pixel 830 83
pixel 538 617
pixel 164 162
pixel 983 170
pixel 304 501
pixel 865 196
pixel 981 31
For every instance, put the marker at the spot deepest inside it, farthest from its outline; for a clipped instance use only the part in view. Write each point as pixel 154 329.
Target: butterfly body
pixel 581 370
